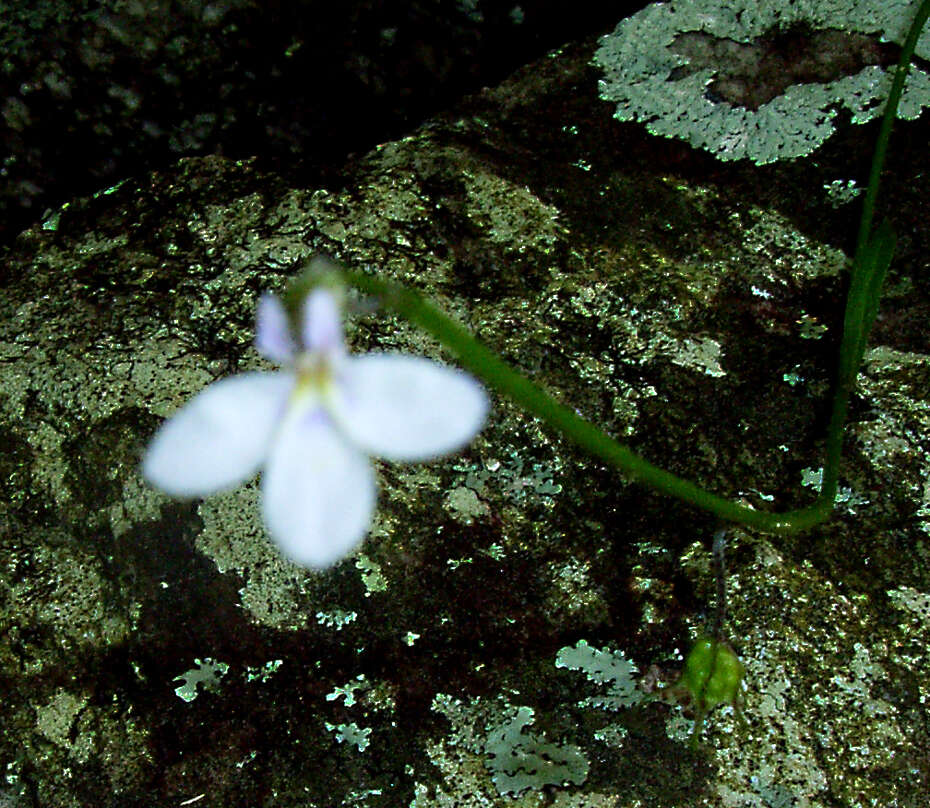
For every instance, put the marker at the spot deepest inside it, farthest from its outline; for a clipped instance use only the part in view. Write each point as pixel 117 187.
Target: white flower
pixel 310 428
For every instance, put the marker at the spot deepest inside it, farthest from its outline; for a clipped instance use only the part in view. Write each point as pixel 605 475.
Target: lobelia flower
pixel 310 428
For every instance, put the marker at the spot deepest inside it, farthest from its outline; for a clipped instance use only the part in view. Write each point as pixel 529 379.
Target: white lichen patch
pixel 516 758
pixel 702 355
pixel 610 668
pixel 337 618
pixel 520 759
pixel 661 63
pixel 351 733
pixel 235 538
pixel 464 506
pixel 204 677
pixel 347 691
pixel 371 574
pixel 514 477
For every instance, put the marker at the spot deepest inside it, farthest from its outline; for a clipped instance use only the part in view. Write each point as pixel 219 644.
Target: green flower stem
pixel 486 365
pixel 873 255
pixel 888 119
pixel 870 263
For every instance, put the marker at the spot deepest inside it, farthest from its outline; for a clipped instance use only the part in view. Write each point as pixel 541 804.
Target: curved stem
pixel 871 260
pixel 486 365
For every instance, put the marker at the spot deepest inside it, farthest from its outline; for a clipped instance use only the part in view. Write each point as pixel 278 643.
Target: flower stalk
pixel 872 258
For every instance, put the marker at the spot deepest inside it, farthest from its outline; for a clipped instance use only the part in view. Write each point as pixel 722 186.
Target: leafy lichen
pixel 522 760
pixel 208 673
pixel 665 66
pixel 609 668
pixel 516 758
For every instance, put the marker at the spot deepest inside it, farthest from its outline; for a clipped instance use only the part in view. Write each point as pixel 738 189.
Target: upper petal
pixel 273 337
pixel 408 407
pixel 322 323
pixel 318 491
pixel 220 438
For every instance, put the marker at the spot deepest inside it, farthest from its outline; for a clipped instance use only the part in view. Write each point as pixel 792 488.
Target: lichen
pixel 514 477
pixel 521 760
pixel 603 667
pixel 517 760
pixel 352 734
pixel 206 676
pixel 371 574
pixel 661 63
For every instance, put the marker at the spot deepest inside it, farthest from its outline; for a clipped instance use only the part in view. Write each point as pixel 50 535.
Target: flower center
pixel 315 376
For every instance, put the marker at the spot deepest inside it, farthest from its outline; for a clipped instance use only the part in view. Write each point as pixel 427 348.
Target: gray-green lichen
pixel 351 733
pixel 520 759
pixel 684 69
pixel 206 676
pixel 609 668
pixel 698 323
pixel 517 759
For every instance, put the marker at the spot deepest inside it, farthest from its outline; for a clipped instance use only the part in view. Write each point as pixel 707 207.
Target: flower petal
pixel 322 323
pixel 273 337
pixel 407 407
pixel 318 491
pixel 219 438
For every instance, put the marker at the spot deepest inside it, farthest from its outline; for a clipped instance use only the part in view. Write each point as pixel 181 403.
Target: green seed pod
pixel 713 674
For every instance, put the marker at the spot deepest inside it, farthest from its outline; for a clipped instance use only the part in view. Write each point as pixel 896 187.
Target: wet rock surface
pixel 154 651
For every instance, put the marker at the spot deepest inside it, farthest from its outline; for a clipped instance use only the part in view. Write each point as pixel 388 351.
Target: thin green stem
pixel 485 364
pixel 869 265
pixel 888 119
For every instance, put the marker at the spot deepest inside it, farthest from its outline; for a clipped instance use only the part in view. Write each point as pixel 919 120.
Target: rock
pixel 688 308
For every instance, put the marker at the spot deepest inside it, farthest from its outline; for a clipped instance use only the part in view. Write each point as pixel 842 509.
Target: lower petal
pixel 318 491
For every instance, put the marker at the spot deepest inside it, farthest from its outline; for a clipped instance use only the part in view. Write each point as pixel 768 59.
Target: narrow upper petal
pixel 273 337
pixel 408 407
pixel 322 323
pixel 220 438
pixel 318 491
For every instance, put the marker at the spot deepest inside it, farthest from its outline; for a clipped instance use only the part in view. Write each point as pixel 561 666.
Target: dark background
pixel 94 91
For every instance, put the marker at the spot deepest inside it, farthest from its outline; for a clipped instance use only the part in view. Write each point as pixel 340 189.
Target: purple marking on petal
pixel 272 333
pixel 315 416
pixel 322 323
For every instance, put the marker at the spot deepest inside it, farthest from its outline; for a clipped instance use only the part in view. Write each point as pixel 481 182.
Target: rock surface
pixel 92 91
pixel 155 652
